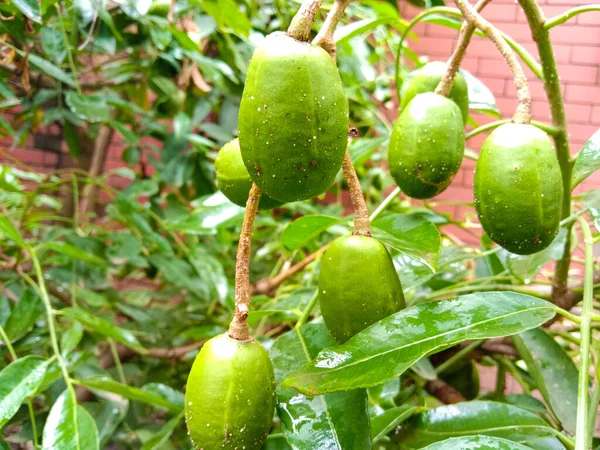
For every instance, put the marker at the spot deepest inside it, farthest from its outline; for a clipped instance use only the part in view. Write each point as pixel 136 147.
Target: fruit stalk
pixel 324 37
pixel 362 224
pixel 238 329
pixel 453 64
pixel 541 36
pixel 522 113
pixel 302 22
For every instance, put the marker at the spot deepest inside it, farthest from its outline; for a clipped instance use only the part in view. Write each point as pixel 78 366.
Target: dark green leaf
pixel 74 252
pixel 477 443
pixel 525 401
pixel 588 160
pixel 347 32
pixel 31 8
pixel 210 269
pixel 473 418
pixel 50 69
pixel 379 353
pixel 104 328
pixel 69 426
pixel 88 107
pixel 304 229
pixel 481 98
pixel 18 381
pixel 227 14
pixel 23 317
pixel 181 274
pixel 162 436
pixel 410 234
pixel 71 338
pixel 130 392
pixel 7 228
pixel 53 44
pixel 129 136
pixel 362 149
pixel 71 138
pixel 334 421
pixel 382 425
pixel 554 372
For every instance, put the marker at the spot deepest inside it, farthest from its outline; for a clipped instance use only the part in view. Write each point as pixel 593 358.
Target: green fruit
pixel 233 179
pixel 426 146
pixel 518 188
pixel 293 121
pixel 230 395
pixel 171 105
pixel 427 78
pixel 358 285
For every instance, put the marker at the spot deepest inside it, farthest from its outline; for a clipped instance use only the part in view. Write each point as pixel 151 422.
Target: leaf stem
pixel 562 18
pixel 8 344
pixel 238 329
pixel 523 112
pixel 307 311
pixel 69 51
pixel 117 360
pixel 362 224
pixel 457 356
pixel 324 37
pixel 302 22
pixel 549 129
pixel 384 204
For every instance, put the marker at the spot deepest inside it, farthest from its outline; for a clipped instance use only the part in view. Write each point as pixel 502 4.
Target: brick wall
pixel 577 49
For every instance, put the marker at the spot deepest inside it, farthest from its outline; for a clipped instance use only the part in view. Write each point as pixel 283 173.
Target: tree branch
pixel 362 224
pixel 324 37
pixel 444 392
pixel 302 22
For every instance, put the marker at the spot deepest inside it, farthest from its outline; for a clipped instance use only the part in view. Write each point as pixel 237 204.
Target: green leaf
pixel 23 317
pixel 74 252
pixel 385 423
pixel 380 353
pixel 362 149
pixel 476 443
pixel 18 381
pixel 210 269
pixel 93 108
pixel 7 227
pixel 481 98
pixel 162 435
pixel 469 418
pixel 181 274
pixel 554 372
pixel 410 234
pixel 104 328
pixel 132 393
pixel 71 338
pixel 347 32
pixel 129 136
pixel 69 426
pixel 335 421
pixel 227 14
pixel 50 69
pixel 53 44
pixel 588 160
pixel 31 8
pixel 71 138
pixel 304 229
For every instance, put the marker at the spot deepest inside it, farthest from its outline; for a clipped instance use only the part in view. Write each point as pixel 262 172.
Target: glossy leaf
pixel 588 160
pixel 302 230
pixel 71 338
pixel 181 274
pixel 74 252
pixel 31 8
pixel 18 381
pixel 50 69
pixel 88 107
pixel 410 234
pixel 346 32
pixel 8 229
pixel 554 372
pixel 380 353
pixel 473 418
pixel 104 327
pixel 69 426
pixel 163 435
pixel 384 424
pixel 132 393
pixel 481 98
pixel 477 443
pixel 23 317
pixel 331 421
pixel 53 44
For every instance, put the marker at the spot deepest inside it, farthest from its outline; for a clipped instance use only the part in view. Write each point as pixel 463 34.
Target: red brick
pixel 519 32
pixel 585 55
pixel 583 94
pixel 595 115
pixel 500 12
pixel 581 133
pixel 589 18
pixel 567 34
pixel 434 30
pixel 433 46
pixel 562 53
pixel 493 68
pixel 579 74
pixel 578 113
pixel 570 2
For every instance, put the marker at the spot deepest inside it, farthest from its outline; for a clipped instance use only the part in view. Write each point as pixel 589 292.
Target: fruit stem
pixel 302 22
pixel 324 37
pixel 238 329
pixel 362 224
pixel 541 36
pixel 453 64
pixel 523 111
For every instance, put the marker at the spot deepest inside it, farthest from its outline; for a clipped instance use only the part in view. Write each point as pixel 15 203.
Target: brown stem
pixel 324 37
pixel 523 111
pixel 100 152
pixel 362 224
pixel 453 64
pixel 238 329
pixel 444 392
pixel 302 22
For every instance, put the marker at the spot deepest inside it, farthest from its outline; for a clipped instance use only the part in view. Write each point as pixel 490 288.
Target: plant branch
pixel 302 22
pixel 464 37
pixel 522 113
pixel 324 37
pixel 238 329
pixel 548 129
pixel 541 36
pixel 362 224
pixel 444 392
pixel 562 18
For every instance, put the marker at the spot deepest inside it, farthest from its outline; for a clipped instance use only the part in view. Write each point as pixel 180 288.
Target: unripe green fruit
pixel 518 188
pixel 230 395
pixel 233 179
pixel 427 78
pixel 426 146
pixel 172 105
pixel 358 286
pixel 293 121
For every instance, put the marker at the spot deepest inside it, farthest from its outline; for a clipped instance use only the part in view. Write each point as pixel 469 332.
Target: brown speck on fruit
pixel 308 118
pixel 257 168
pixel 313 164
pixel 300 167
pixel 353 132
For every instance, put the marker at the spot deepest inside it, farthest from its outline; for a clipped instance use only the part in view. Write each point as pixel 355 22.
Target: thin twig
pixel 238 329
pixel 92 26
pixel 523 111
pixel 453 64
pixel 302 22
pixel 324 37
pixel 362 224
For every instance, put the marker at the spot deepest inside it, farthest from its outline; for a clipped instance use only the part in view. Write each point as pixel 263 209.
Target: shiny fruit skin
pixel 233 179
pixel 293 120
pixel 358 285
pixel 230 395
pixel 427 78
pixel 426 146
pixel 518 188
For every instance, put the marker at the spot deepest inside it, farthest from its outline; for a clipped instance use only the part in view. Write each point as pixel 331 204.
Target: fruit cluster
pixel 293 127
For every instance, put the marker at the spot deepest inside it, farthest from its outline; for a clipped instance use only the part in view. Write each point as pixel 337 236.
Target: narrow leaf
pixel 50 69
pixel 31 8
pixel 53 44
pixel 588 160
pixel 301 231
pixel 380 353
pixel 163 435
pixel 481 98
pixel 382 425
pixel 347 32
pixel 74 252
pixel 477 443
pixel 23 317
pixel 9 230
